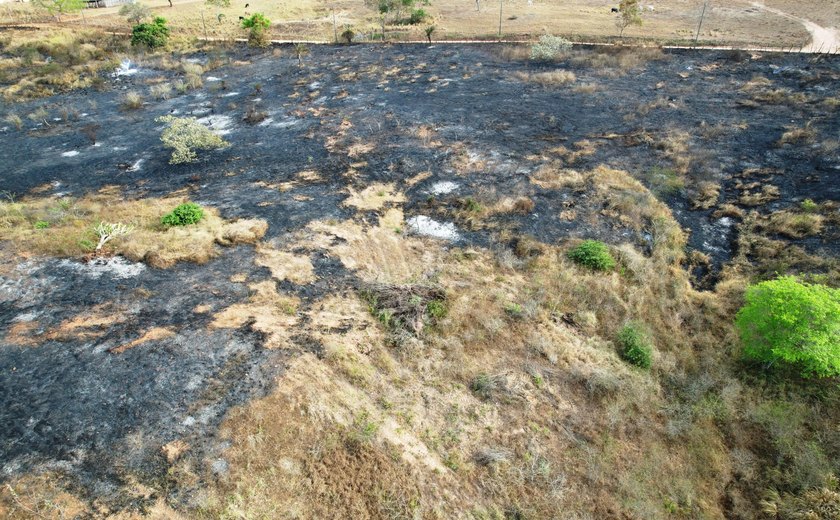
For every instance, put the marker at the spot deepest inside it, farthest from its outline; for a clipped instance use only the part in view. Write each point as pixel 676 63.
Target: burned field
pixel 357 171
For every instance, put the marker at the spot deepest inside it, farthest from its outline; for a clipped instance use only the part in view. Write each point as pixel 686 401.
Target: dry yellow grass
pixel 286 266
pixel 374 197
pixel 548 79
pixel 266 311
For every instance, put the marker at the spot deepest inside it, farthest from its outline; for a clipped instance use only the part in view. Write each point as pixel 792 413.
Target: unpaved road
pixel 823 39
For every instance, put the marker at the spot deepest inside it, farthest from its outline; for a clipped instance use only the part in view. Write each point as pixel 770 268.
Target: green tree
pixel 258 25
pixel 152 35
pixel 59 7
pixel 791 322
pixel 629 13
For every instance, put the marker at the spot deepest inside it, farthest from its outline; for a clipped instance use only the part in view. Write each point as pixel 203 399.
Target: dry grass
pixel 286 266
pixel 374 197
pixel 266 311
pixel 131 101
pixel 548 79
pixel 70 222
pixel 798 135
pixel 795 225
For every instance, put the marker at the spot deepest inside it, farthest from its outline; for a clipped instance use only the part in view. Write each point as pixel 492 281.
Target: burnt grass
pixel 96 417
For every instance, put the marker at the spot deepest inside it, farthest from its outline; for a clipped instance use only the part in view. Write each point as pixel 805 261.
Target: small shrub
pixel 794 323
pixel 161 91
pixel 183 215
pixel 523 205
pixel 471 205
pixel 109 230
pixel 14 120
pixel 437 309
pixel 153 35
pixel 549 47
pixel 185 135
pixel 592 254
pixel 258 25
pixel 417 16
pixel 635 346
pixel 347 35
pixel 254 116
pixel 132 100
pixel 42 224
pixel 809 206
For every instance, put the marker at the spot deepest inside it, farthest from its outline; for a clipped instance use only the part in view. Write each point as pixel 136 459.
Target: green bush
pixel 549 47
pixel 635 345
pixel 185 135
pixel 152 35
pixel 809 206
pixel 417 17
pixel 183 215
pixel 258 25
pixel 592 254
pixel 793 323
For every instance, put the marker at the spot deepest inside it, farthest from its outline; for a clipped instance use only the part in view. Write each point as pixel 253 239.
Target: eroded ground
pixel 461 166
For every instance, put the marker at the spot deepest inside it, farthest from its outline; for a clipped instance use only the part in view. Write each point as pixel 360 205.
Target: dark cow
pixel 614 10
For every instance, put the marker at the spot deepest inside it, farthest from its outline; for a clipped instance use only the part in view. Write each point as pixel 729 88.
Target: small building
pixel 91 4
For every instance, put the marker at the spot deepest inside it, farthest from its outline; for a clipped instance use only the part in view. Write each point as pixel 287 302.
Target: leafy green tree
pixel 59 7
pixel 791 322
pixel 135 12
pixel 258 25
pixel 629 13
pixel 152 35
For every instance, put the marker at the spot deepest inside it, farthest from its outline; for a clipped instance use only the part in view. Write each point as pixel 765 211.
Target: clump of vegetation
pixel 547 79
pixel 635 344
pixel 257 25
pixel 185 135
pixel 664 182
pixel 132 100
pixel 794 323
pixel 549 48
pixel 406 308
pixel 592 254
pixel 153 35
pixel 809 206
pixel 348 34
pixel 107 231
pixel 183 215
pixel 14 120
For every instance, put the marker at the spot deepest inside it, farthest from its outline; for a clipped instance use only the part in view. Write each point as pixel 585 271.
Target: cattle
pixel 614 10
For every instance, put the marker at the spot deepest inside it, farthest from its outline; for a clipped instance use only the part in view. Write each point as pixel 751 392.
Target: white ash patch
pixel 26 316
pixel 126 68
pixel 136 166
pixel 231 94
pixel 71 153
pixel 218 123
pixel 213 78
pixel 443 188
pixel 117 267
pixel 426 226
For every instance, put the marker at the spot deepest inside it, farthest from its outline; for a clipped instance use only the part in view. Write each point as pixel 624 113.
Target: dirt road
pixel 823 39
